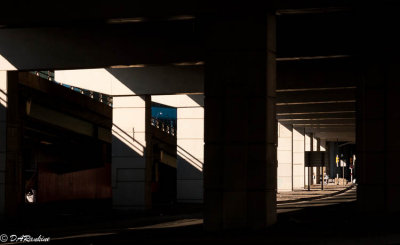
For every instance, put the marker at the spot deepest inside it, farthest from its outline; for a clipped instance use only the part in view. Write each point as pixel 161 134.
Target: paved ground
pixel 330 220
pixel 315 192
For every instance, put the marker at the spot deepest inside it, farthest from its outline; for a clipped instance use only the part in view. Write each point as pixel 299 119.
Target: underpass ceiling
pixel 316 93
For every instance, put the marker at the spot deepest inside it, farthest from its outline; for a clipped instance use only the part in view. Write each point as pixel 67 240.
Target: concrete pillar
pixel 318 169
pixel 323 147
pixel 307 147
pixel 310 145
pixel 240 127
pixel 298 157
pixel 190 144
pixel 314 147
pixel 129 153
pixel 14 195
pixel 285 157
pixel 290 157
pixel 332 159
pixel 190 151
pixel 327 168
pixel 378 133
pixel 3 130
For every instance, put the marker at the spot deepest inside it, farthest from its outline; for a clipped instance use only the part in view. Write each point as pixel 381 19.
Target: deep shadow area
pixel 76 216
pixel 334 224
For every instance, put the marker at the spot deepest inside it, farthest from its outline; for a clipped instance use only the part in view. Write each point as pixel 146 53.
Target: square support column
pixel 14 189
pixel 314 147
pixel 378 133
pixel 310 145
pixel 298 158
pixel 131 153
pixel 3 139
pixel 318 169
pixel 307 147
pixel 190 151
pixel 291 174
pixel 332 159
pixel 240 169
pixel 285 157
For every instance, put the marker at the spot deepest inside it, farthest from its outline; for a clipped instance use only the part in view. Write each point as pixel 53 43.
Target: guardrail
pixel 164 125
pixel 103 98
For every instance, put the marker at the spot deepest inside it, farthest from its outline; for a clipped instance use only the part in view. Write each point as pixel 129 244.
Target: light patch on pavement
pixel 173 224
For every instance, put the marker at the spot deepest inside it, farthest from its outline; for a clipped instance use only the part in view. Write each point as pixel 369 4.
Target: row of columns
pixel 292 143
pixel 3 129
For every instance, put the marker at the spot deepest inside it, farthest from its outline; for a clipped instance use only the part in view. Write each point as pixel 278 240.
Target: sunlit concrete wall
pixel 3 106
pixel 190 144
pixel 128 152
pixel 285 161
pixel 291 145
pixel 298 158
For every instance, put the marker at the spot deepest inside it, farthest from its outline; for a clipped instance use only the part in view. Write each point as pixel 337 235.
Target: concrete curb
pixel 317 197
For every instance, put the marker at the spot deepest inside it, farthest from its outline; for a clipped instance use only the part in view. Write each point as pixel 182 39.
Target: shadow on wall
pixel 128 170
pixel 128 140
pixel 189 180
pixel 189 158
pixel 284 157
pixel 161 79
pixel 198 98
pixel 128 176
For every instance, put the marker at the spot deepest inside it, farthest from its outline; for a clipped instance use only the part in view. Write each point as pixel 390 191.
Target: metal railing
pixel 48 75
pixel 103 98
pixel 167 126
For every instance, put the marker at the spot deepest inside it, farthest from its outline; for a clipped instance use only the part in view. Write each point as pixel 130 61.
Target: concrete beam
pixel 342 128
pixel 337 115
pixel 316 108
pixel 154 80
pixel 333 133
pixel 41 14
pixel 317 122
pixel 92 47
pixel 334 136
pixel 319 73
pixel 316 95
pixel 324 33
